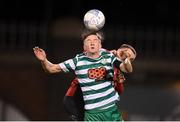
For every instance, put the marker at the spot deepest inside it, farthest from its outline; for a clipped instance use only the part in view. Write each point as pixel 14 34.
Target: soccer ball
pixel 94 20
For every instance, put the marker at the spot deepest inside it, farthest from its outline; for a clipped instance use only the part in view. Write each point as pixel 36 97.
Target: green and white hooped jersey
pixel 98 92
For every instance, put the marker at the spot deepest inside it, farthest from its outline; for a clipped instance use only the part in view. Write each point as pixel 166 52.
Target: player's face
pixel 92 44
pixel 127 53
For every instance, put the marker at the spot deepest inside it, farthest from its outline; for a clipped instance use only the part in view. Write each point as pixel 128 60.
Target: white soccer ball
pixel 94 20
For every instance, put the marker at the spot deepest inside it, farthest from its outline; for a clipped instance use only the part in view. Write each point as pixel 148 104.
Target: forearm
pixel 50 67
pixel 126 66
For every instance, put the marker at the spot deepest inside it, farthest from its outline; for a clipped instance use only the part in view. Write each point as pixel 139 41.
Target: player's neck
pixel 93 55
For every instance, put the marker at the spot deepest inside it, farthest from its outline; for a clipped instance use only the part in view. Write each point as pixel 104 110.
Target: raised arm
pixel 126 66
pixel 47 65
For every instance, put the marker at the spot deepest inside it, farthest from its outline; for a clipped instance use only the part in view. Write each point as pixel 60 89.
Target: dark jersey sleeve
pixel 117 64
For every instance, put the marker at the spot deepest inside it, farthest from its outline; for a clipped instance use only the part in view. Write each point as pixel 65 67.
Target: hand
pixel 39 53
pixel 126 51
pixel 114 52
pixel 122 53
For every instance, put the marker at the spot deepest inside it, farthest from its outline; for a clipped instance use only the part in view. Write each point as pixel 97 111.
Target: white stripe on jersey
pixel 108 106
pixel 63 67
pixel 81 63
pixel 86 80
pixel 96 87
pixel 102 103
pixel 98 95
pixel 71 63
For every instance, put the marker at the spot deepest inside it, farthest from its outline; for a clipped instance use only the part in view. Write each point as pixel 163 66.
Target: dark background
pixel 151 27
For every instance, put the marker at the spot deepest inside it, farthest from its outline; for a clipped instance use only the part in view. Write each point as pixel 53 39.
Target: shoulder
pixel 105 52
pixel 80 55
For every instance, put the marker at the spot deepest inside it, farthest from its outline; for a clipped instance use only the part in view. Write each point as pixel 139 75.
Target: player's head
pixel 127 46
pixel 92 41
pixel 86 33
pixel 130 50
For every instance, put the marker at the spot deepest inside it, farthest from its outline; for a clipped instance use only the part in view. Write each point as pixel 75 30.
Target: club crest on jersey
pixel 104 61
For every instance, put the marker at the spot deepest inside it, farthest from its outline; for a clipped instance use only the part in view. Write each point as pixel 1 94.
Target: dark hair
pixel 86 33
pixel 130 47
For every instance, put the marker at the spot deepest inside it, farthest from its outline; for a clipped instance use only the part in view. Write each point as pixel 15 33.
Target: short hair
pixel 130 47
pixel 86 33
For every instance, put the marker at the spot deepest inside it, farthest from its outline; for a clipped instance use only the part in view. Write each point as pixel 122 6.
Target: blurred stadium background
pixel 152 91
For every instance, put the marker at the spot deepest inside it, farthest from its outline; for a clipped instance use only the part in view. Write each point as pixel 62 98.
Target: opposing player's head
pixel 129 50
pixel 92 41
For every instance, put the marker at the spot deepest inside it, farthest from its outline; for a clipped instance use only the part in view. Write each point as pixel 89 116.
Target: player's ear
pixel 84 47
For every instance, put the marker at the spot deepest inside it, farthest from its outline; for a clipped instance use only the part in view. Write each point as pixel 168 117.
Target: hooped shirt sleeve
pixel 69 65
pixel 115 61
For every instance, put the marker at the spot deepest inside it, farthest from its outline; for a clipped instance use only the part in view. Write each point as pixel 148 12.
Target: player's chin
pixel 93 50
